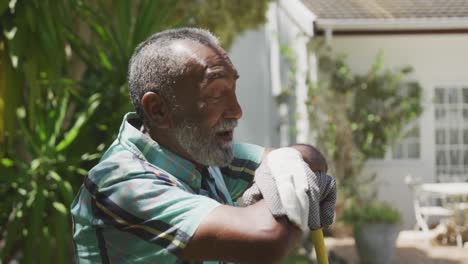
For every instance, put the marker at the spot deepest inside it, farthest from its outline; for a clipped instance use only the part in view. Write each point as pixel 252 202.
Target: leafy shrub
pixel 371 212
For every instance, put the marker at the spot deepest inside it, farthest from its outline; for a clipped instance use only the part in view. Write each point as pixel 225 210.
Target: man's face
pixel 207 109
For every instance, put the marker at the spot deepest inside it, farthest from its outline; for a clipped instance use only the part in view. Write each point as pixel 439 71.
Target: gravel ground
pixel 411 249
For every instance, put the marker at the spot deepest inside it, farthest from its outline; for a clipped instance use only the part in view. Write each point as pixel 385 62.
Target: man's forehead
pixel 209 57
pixel 187 49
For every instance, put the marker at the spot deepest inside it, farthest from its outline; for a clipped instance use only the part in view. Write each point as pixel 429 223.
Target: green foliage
pixel 32 47
pixel 112 31
pixel 63 92
pixel 357 116
pixel 371 212
pixel 36 100
pixel 37 182
pixel 296 259
pixel 228 18
pixel 390 101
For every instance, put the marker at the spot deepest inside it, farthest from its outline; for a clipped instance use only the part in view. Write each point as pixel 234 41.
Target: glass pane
pixel 439 95
pixel 439 113
pixel 454 114
pixel 465 157
pixel 465 113
pixel 397 151
pixel 452 95
pixel 465 136
pixel 444 176
pixel 453 136
pixel 413 150
pixel 440 136
pixel 441 158
pixel 455 157
pixel 465 95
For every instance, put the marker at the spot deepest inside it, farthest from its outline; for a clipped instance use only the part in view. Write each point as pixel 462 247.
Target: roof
pixel 387 9
pixel 365 15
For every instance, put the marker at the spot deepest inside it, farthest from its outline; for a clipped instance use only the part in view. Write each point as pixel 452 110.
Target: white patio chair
pixel 425 206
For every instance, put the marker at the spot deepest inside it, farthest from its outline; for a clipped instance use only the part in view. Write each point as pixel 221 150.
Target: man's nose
pixel 233 109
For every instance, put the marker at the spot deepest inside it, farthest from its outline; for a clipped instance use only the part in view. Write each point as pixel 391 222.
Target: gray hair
pixel 155 67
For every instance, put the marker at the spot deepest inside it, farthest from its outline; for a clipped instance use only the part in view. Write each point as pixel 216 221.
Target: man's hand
pixel 313 157
pixel 284 189
pixel 310 154
pixel 286 167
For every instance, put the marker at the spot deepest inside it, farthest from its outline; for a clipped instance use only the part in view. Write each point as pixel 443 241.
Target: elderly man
pixel 165 191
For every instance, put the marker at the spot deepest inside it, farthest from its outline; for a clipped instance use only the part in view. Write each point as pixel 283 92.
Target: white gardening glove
pixel 288 170
pixel 320 190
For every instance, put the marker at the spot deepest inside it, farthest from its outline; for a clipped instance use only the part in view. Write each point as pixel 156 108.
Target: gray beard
pixel 202 146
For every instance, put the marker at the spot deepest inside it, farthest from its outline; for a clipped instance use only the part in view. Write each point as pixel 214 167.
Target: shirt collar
pixel 148 149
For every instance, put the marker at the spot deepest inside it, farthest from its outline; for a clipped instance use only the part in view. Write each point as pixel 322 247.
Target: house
pixel 429 35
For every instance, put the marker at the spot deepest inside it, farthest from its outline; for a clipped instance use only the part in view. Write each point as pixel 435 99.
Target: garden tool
pixel 290 188
pixel 319 245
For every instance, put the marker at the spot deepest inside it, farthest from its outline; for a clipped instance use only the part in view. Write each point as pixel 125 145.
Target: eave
pixel 391 26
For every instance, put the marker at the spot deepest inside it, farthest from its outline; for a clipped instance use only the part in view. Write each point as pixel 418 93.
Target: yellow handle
pixel 319 244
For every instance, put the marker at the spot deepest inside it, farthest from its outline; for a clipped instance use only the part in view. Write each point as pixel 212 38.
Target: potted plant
pixel 375 228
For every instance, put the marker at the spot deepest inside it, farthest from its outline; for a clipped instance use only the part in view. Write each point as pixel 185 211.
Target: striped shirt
pixel 142 203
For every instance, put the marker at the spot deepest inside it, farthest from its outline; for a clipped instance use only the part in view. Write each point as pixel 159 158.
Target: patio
pixel 411 249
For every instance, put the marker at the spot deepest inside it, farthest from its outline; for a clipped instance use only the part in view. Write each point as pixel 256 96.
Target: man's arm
pixel 247 235
pixel 252 233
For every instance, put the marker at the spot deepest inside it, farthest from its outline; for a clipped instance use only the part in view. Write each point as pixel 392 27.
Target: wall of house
pixel 250 55
pixel 438 60
pixel 264 73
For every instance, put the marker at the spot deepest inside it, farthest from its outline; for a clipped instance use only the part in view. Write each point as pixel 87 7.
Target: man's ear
pixel 156 109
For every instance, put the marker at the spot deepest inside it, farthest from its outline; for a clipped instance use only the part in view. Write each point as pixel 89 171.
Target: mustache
pixel 224 125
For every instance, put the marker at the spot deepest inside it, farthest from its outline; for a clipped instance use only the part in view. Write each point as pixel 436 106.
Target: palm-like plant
pixel 112 30
pixel 51 111
pixel 38 186
pixel 33 58
pixel 63 91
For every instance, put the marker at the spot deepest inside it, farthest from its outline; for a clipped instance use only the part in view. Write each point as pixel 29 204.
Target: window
pixel 451 133
pixel 407 147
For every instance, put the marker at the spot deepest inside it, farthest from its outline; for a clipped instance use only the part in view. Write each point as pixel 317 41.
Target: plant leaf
pixel 82 118
pixel 7 162
pixel 60 207
pixel 60 117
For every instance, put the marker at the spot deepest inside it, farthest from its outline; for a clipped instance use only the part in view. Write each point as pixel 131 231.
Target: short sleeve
pixel 239 175
pixel 156 216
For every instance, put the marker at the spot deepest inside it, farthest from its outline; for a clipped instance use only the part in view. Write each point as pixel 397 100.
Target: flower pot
pixel 375 242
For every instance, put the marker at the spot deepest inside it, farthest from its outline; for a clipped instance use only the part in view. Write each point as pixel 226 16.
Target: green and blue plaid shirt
pixel 143 203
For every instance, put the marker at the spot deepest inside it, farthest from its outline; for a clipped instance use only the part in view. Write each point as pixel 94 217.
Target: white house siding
pixel 250 55
pixel 295 28
pixel 256 54
pixel 438 60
